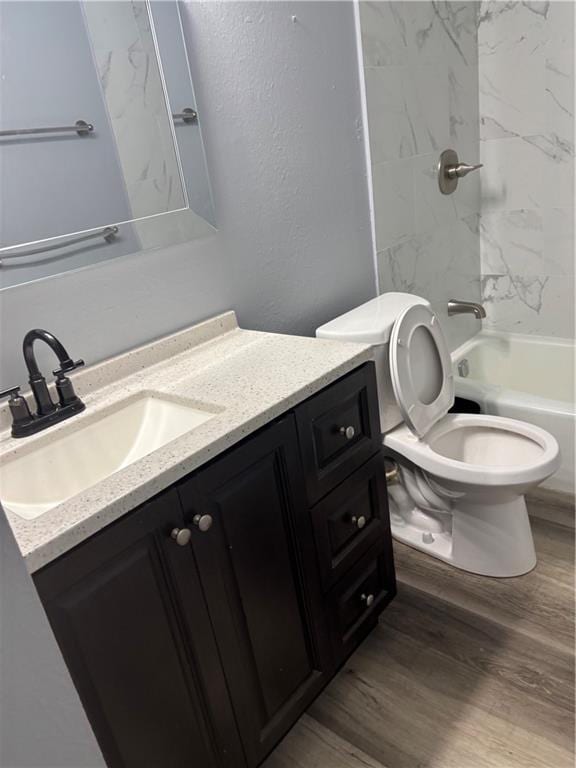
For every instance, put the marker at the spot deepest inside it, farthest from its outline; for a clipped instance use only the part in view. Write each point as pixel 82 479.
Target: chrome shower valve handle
pixel 460 170
pixel 450 169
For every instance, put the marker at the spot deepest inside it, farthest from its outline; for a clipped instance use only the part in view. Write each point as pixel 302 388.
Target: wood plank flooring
pixel 462 672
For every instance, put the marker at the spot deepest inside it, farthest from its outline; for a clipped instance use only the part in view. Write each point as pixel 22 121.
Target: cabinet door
pixel 122 607
pixel 258 570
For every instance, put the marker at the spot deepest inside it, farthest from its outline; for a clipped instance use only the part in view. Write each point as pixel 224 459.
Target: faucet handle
pixel 12 393
pixel 67 367
pixel 461 169
pixel 19 409
pixel 64 387
pixel 450 169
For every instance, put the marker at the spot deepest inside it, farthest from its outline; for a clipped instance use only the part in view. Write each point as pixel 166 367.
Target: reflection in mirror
pixel 120 36
pixel 135 176
pixel 168 27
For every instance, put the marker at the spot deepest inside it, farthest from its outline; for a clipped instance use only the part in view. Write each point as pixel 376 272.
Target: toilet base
pixel 490 540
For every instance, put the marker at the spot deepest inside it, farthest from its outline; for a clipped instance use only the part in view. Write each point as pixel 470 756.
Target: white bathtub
pixel 524 377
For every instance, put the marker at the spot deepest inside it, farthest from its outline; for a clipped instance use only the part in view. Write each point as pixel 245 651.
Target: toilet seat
pixel 468 448
pixel 521 452
pixel 420 368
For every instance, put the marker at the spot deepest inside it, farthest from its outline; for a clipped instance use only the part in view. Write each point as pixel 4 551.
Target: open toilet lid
pixel 420 368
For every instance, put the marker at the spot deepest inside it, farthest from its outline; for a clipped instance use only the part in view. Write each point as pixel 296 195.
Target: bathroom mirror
pixel 101 151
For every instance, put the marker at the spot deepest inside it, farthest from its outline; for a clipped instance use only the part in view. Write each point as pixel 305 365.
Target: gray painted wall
pixel 42 723
pixel 281 111
pixel 277 85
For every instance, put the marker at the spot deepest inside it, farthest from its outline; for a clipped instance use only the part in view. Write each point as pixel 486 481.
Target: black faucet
pixel 48 412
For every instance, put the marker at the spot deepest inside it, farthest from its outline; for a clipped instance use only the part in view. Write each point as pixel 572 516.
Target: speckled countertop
pixel 247 378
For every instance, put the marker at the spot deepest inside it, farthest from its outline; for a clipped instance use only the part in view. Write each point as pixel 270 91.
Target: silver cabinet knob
pixel 181 536
pixel 348 432
pixel 368 599
pixel 359 522
pixel 203 522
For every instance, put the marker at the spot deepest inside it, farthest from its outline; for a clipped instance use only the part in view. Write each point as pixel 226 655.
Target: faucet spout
pixel 44 403
pixel 456 307
pixel 37 334
pixel 25 423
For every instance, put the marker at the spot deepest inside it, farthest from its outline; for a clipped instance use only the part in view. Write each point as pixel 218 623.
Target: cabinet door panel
pixel 114 606
pixel 251 510
pixel 261 585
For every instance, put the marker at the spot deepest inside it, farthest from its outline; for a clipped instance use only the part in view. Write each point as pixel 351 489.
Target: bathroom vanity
pixel 200 622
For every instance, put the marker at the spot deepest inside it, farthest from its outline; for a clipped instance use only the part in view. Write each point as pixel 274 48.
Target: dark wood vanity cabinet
pixel 200 626
pixel 258 572
pixel 131 620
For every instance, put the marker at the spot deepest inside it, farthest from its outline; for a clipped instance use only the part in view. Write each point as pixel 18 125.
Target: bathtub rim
pixel 476 389
pixel 532 338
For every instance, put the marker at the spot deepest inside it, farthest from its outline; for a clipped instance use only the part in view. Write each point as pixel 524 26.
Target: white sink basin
pixel 76 459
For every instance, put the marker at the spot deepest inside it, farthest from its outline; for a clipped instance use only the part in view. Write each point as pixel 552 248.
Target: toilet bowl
pixel 460 493
pixel 481 466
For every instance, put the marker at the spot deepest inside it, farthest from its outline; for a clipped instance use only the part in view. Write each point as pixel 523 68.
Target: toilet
pixel 458 490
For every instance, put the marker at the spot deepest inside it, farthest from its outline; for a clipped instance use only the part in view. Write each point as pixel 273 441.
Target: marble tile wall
pixel 526 97
pixel 125 56
pixel 421 76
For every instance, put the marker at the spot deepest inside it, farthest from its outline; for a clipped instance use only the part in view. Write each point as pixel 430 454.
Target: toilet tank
pixel 372 323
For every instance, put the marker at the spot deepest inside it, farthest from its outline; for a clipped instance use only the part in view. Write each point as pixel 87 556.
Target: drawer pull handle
pixel 181 536
pixel 203 522
pixel 368 599
pixel 359 522
pixel 348 432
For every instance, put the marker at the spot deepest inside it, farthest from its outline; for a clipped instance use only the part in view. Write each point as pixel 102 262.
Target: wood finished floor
pixel 462 672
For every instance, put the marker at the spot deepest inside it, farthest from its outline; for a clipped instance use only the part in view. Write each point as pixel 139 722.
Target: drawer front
pixel 339 429
pixel 350 520
pixel 356 602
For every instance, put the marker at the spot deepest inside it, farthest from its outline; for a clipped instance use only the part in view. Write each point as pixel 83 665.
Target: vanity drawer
pixel 350 520
pixel 356 602
pixel 339 429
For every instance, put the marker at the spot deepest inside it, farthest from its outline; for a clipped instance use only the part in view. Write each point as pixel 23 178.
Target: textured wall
pixel 527 146
pixel 421 76
pixel 282 124
pixel 42 723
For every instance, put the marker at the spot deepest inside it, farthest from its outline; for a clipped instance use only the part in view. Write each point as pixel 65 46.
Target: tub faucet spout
pixel 456 307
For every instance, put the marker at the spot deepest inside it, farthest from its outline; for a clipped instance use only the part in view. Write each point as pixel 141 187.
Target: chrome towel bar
pixel 108 233
pixel 81 127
